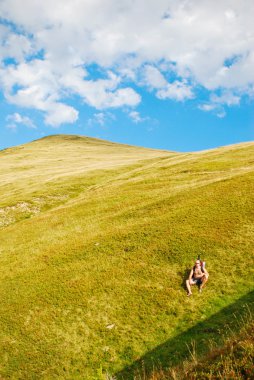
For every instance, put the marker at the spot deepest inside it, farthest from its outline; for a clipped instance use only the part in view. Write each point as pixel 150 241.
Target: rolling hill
pixel 97 239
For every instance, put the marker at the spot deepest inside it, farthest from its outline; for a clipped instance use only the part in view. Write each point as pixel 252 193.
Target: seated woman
pixel 198 275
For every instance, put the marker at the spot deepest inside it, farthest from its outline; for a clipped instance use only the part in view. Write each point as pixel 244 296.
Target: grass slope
pixel 96 240
pixel 233 359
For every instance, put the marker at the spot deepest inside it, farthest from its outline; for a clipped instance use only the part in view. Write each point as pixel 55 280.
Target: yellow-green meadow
pixel 97 239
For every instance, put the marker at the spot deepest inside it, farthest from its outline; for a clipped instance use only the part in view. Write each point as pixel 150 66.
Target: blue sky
pixel 169 74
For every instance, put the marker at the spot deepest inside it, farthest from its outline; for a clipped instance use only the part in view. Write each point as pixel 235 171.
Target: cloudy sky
pixel 171 74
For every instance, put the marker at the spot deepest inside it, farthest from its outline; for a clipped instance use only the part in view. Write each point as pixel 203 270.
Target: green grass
pixel 96 241
pixel 195 351
pixel 233 359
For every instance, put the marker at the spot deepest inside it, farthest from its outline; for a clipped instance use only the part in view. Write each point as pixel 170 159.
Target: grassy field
pixel 233 359
pixel 96 242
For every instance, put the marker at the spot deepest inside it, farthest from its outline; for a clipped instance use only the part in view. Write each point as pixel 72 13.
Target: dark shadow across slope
pixel 197 338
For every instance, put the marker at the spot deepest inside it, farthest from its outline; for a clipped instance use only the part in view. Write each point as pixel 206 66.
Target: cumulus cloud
pixel 13 45
pixel 177 90
pixel 59 113
pixel 227 98
pixel 207 107
pixel 217 102
pixel 153 78
pixel 217 109
pixel 221 113
pixel 33 84
pixel 100 93
pixel 177 45
pixel 136 117
pixel 15 119
pixel 100 118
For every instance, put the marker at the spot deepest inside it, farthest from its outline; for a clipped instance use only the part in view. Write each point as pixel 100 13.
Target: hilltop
pixel 52 169
pixel 96 241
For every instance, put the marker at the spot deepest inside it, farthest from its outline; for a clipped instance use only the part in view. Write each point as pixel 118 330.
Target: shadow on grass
pixel 175 350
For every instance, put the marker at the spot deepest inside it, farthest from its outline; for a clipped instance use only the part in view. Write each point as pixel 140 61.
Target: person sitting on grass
pixel 198 276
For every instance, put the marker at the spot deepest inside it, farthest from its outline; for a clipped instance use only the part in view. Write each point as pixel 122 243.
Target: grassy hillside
pixel 233 360
pixel 96 241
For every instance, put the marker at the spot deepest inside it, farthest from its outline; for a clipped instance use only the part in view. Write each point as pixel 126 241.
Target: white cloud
pixel 216 109
pixel 177 91
pixel 15 119
pixel 221 113
pixel 217 102
pixel 12 127
pixel 97 119
pixel 121 97
pixel 100 118
pixel 59 113
pixel 153 78
pixel 227 98
pixel 13 45
pixel 207 107
pixel 54 47
pixel 136 118
pixel 250 91
pixel 34 84
pixel 100 93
